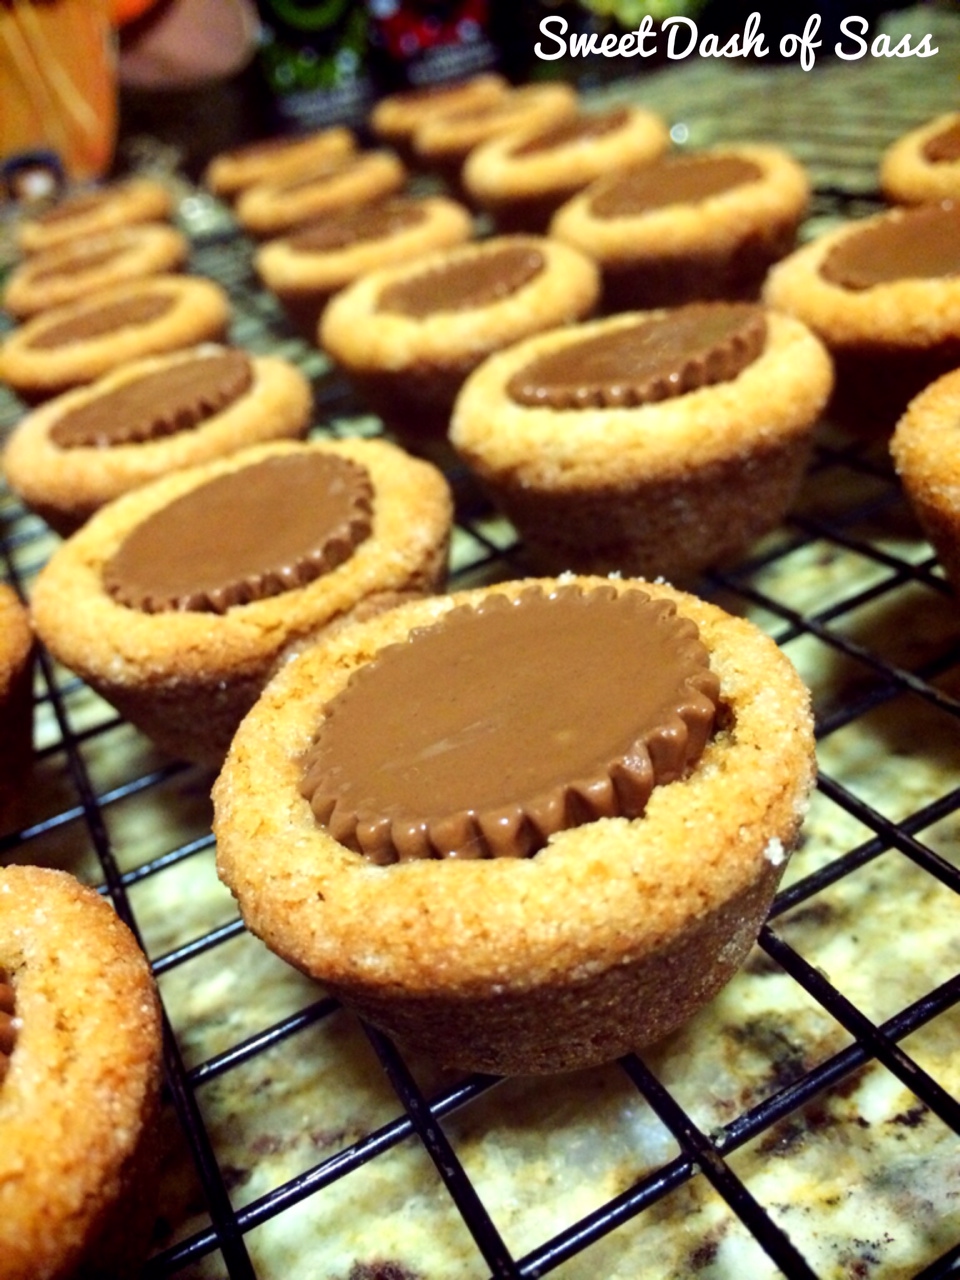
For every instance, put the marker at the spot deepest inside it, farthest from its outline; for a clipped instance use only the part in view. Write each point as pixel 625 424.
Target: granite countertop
pixel 806 1122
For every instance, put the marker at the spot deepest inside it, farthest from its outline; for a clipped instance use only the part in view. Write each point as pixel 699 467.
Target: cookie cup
pixel 605 940
pixel 304 274
pixel 718 247
pixel 924 453
pixel 91 212
pixel 522 177
pixel 73 270
pixel 67 485
pixel 887 341
pixel 273 206
pixel 187 677
pixel 409 368
pixel 190 310
pixel 646 490
pixel 908 175
pixel 273 159
pixel 80 1098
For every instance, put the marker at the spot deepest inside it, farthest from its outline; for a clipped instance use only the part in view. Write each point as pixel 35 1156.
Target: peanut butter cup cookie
pixel 16 703
pixel 273 159
pixel 397 116
pixel 884 294
pixel 694 225
pixel 307 266
pixel 80 1055
pixel 924 452
pixel 179 627
pixel 408 335
pixel 71 345
pixel 526 828
pixel 924 165
pixel 272 207
pixel 80 267
pixel 652 443
pixel 88 446
pixel 521 178
pixel 442 142
pixel 93 211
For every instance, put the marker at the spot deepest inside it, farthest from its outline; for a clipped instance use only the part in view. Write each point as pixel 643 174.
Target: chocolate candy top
pixel 585 128
pixel 500 725
pixel 357 224
pixel 671 180
pixel 944 147
pixel 464 282
pixel 178 397
pixel 266 528
pixel 86 325
pixel 921 243
pixel 655 358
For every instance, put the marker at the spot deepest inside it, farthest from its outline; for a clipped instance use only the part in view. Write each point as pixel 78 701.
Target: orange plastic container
pixel 58 88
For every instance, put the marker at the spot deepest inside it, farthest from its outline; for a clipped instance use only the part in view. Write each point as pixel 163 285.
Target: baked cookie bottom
pixel 66 486
pixel 924 452
pixel 737 274
pixel 663 489
pixel 603 941
pixel 79 1102
pixel 16 703
pixel 186 678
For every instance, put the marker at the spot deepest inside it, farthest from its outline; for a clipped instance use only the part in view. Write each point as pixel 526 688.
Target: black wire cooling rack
pixel 806 1124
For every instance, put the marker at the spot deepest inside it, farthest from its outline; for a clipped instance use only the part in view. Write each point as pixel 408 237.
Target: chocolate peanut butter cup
pixel 668 181
pixel 352 226
pixel 465 283
pixel 654 359
pixel 162 402
pixel 583 130
pixel 921 243
pixel 100 321
pixel 264 529
pixel 486 734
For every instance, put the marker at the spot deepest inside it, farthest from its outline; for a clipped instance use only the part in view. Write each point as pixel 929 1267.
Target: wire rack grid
pixel 806 1123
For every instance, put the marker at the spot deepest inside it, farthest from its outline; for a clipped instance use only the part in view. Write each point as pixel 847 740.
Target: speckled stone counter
pixel 806 1122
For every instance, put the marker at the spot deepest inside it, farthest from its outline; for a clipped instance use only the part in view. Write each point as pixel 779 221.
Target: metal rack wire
pixel 805 1125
